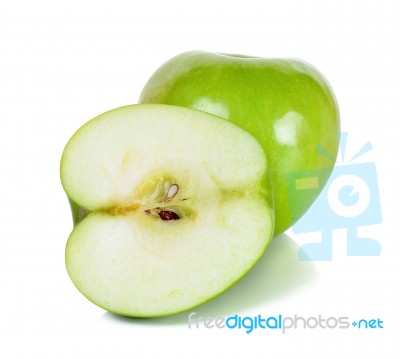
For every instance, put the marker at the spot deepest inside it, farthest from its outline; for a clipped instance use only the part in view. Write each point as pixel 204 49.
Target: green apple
pixel 286 104
pixel 171 207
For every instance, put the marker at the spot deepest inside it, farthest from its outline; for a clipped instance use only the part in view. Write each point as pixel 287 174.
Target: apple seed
pixel 172 191
pixel 168 215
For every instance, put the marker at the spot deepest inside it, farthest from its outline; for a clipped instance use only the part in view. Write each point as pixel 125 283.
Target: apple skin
pixel 78 213
pixel 286 104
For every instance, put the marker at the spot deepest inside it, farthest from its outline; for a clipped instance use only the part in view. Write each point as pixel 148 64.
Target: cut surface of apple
pixel 177 207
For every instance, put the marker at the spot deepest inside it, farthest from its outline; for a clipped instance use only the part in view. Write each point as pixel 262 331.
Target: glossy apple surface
pixel 286 104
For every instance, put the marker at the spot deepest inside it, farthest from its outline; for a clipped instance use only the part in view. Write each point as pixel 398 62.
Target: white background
pixel 62 63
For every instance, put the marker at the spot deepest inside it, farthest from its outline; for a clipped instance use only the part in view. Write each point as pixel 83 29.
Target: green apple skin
pixel 78 213
pixel 286 104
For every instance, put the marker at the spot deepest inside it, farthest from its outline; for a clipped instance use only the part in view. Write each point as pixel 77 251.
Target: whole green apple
pixel 286 104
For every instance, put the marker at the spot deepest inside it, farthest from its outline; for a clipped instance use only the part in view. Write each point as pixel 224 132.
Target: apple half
pixel 171 207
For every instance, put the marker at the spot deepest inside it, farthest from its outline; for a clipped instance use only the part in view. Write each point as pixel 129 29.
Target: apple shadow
pixel 277 274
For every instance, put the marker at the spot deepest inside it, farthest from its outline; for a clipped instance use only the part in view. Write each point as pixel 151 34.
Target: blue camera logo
pixel 350 199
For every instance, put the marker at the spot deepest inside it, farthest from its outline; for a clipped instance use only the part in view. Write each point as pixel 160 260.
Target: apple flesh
pixel 287 105
pixel 171 207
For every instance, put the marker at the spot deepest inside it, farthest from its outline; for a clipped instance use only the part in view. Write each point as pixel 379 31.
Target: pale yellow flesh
pixel 133 263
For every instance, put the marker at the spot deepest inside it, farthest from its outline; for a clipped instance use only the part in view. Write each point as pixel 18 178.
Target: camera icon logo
pixel 349 200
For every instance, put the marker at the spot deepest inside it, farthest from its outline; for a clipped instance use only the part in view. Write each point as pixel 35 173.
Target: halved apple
pixel 170 205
